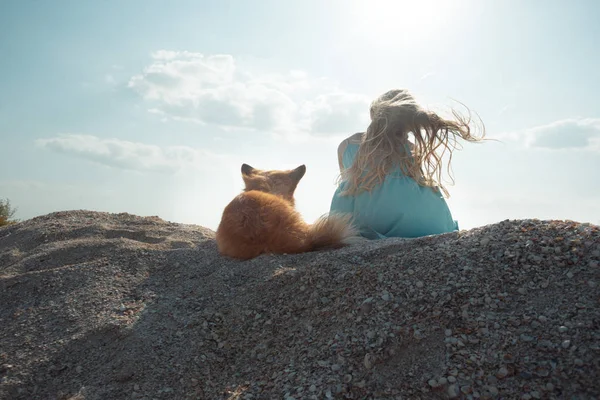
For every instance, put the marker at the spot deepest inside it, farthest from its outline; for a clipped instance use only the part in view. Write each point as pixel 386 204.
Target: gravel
pixel 116 306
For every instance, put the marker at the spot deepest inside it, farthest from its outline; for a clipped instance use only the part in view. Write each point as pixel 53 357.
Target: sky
pixel 150 107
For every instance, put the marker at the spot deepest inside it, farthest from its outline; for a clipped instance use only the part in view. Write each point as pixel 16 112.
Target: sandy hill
pixel 115 306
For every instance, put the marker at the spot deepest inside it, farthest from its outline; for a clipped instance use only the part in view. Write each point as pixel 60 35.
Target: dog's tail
pixel 332 231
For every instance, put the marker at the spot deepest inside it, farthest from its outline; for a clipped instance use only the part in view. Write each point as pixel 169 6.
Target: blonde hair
pixel 385 144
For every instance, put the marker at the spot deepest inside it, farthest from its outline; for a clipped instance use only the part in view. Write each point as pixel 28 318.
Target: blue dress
pixel 397 207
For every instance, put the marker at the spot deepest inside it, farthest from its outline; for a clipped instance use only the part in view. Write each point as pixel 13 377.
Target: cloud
pixel 337 113
pixel 215 90
pixel 567 134
pixel 581 134
pixel 128 155
pixel 208 89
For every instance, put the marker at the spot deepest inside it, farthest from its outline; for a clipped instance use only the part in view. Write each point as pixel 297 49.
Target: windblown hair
pixel 386 146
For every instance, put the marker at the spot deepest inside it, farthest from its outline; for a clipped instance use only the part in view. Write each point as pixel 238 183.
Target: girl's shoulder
pixel 355 139
pixel 351 140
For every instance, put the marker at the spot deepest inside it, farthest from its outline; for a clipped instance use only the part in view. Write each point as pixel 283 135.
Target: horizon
pixel 150 109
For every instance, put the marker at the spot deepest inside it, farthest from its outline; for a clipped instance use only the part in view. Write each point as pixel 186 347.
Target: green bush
pixel 6 213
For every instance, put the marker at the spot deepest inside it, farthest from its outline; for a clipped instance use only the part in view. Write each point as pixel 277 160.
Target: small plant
pixel 6 213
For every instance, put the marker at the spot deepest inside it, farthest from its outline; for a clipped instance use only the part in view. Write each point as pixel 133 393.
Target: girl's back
pixel 398 207
pixel 391 186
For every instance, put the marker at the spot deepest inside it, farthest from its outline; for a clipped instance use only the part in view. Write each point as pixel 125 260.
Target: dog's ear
pixel 298 173
pixel 247 170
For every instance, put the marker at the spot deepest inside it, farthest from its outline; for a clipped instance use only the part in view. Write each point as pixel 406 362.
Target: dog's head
pixel 278 182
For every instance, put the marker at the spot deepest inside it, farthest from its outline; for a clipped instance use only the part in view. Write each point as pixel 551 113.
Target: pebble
pixel 451 379
pixel 563 329
pixel 522 291
pixel 368 361
pixel 453 391
pixel 578 362
pixel 420 284
pixel 565 344
pixel 366 308
pixel 502 372
pixel 570 275
pixel 448 332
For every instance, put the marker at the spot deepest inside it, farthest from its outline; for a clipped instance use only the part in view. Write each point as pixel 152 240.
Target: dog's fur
pixel 263 219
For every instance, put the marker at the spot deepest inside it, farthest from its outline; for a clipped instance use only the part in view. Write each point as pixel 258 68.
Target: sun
pixel 386 21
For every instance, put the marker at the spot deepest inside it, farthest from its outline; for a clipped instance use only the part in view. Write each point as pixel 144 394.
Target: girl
pixel 392 187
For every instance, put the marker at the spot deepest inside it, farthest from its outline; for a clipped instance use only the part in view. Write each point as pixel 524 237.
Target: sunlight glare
pixel 389 21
